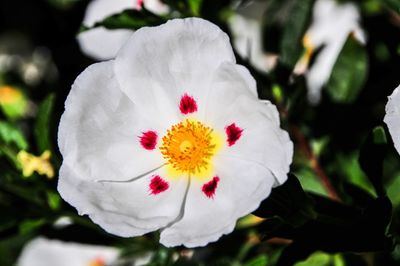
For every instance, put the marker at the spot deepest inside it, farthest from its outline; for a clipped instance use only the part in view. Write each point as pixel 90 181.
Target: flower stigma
pixel 188 147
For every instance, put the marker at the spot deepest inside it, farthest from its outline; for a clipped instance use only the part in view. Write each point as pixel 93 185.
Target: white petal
pixel 246 26
pixel 101 43
pixel 321 70
pixel 159 64
pixel 156 6
pixel 262 140
pixel 332 23
pixel 98 10
pixel 392 117
pixel 331 20
pixel 242 186
pixel 124 208
pixel 44 252
pixel 98 138
pixel 100 128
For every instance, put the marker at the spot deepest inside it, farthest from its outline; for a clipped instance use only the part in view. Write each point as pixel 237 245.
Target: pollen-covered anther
pixel 233 133
pixel 158 185
pixel 188 146
pixel 187 104
pixel 148 140
pixel 210 187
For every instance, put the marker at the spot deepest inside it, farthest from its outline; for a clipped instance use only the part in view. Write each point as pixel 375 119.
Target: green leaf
pixel 293 32
pixel 53 200
pixel 42 125
pixel 379 136
pixel 195 6
pixel 212 10
pixel 320 258
pixel 348 166
pixel 11 247
pixel 131 19
pixel 30 225
pixel 260 260
pixel 290 202
pixel 338 260
pixel 371 158
pixel 394 4
pixel 316 259
pixel 187 8
pixel 349 72
pixel 393 190
pixel 9 134
pixel 310 181
pixel 362 231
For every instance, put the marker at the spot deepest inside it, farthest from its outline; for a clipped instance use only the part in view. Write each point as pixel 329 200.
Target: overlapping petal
pixel 123 208
pixel 242 186
pixel 99 131
pixel 263 141
pixel 99 140
pixel 175 58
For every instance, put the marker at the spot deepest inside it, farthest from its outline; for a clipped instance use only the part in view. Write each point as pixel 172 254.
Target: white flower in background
pixel 392 117
pixel 332 23
pixel 170 135
pixel 46 252
pixel 101 43
pixel 246 26
pixel 32 64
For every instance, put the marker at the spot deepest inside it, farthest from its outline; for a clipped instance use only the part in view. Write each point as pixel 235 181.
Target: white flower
pixel 392 117
pixel 101 43
pixel 170 135
pixel 246 27
pixel 331 25
pixel 45 252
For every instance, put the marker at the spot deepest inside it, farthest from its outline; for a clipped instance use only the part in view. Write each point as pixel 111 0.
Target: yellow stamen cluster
pixel 188 146
pixel 40 164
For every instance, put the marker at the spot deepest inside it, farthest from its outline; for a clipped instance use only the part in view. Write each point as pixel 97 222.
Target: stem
pixel 314 163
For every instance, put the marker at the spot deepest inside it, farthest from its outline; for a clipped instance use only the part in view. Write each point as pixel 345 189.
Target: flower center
pixel 188 147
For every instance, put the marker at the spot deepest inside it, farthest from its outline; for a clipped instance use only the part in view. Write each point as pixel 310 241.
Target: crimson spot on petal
pixel 148 140
pixel 158 185
pixel 233 133
pixel 210 187
pixel 139 3
pixel 187 105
